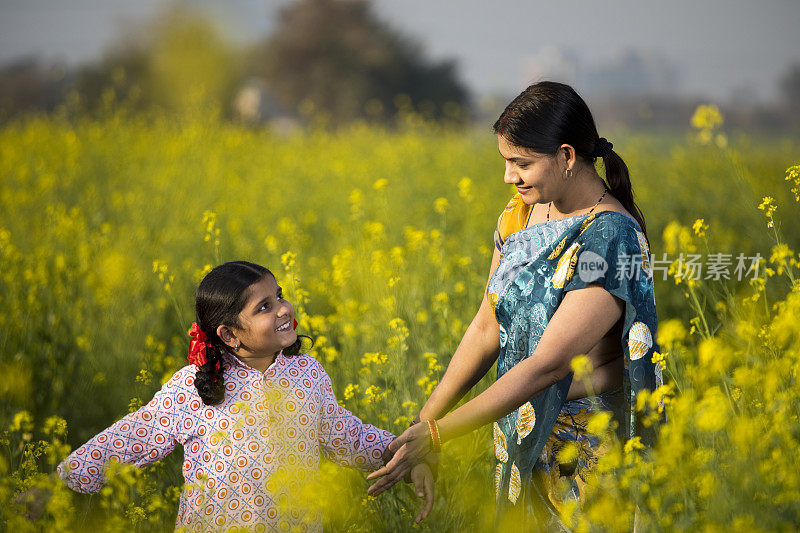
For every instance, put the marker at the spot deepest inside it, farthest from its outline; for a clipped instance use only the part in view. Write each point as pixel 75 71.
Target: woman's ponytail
pixel 619 182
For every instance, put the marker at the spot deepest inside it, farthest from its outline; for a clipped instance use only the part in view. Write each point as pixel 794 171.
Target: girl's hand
pixel 409 449
pixel 422 477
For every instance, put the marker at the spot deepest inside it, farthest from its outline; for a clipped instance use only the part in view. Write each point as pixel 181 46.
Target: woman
pixel 570 275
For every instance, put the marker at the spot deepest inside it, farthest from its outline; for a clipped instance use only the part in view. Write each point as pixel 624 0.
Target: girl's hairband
pixel 197 346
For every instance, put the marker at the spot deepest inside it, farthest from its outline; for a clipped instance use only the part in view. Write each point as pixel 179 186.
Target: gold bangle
pixel 436 442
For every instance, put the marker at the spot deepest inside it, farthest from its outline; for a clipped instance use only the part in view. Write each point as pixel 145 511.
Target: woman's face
pixel 535 175
pixel 267 320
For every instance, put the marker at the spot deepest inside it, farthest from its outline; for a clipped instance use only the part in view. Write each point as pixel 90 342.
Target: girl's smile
pixel 266 321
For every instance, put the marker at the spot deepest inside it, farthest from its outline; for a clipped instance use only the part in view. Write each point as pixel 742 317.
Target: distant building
pixel 629 73
pixel 254 104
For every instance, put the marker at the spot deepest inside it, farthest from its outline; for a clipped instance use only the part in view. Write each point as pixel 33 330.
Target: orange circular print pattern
pixel 240 457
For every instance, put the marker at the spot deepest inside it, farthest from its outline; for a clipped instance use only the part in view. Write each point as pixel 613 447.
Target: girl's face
pixel 535 175
pixel 266 321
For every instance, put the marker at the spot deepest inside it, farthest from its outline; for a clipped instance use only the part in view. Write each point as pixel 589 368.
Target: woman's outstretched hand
pixel 409 449
pixel 422 478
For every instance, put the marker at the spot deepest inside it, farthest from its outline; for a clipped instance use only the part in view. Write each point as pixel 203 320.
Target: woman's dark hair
pixel 219 299
pixel 548 114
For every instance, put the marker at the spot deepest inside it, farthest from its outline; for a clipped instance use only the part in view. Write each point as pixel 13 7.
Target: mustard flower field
pixel 382 240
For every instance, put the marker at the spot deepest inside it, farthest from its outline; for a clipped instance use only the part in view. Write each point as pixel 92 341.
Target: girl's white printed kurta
pixel 246 460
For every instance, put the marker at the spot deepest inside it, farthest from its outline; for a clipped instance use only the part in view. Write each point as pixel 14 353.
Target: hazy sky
pixel 717 47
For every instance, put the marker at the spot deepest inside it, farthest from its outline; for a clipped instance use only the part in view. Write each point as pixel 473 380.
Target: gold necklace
pixel 590 210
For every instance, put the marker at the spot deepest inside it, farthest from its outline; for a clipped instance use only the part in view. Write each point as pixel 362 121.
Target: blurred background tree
pixel 178 61
pixel 337 57
pixel 790 90
pixel 29 85
pixel 326 58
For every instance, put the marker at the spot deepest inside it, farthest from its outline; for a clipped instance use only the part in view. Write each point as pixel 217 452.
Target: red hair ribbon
pixel 197 345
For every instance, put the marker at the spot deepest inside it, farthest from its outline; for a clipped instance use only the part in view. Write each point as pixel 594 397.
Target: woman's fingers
pixel 388 480
pixel 380 486
pixel 423 486
pixel 428 494
pixel 398 443
pixel 388 467
pixel 405 457
pixel 418 474
pixel 379 472
pixel 389 475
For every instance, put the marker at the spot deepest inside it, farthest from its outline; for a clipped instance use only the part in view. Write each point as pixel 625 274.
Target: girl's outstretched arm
pixel 344 438
pixel 139 438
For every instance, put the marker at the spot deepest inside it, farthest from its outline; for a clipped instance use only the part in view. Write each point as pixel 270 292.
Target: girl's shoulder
pixel 183 378
pixel 303 360
pixel 307 365
pixel 178 389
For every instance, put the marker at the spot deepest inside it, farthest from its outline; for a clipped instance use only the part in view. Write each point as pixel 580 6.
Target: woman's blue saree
pixel 538 265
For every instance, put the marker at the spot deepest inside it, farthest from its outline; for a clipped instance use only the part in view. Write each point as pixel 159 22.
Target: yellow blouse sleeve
pixel 513 218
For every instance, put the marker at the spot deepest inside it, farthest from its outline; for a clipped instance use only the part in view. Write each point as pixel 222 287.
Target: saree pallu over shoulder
pixel 513 218
pixel 539 266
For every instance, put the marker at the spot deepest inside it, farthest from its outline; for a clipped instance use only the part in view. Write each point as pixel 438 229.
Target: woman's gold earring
pixel 568 173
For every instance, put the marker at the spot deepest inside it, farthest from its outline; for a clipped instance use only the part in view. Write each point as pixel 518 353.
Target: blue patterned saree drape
pixel 538 266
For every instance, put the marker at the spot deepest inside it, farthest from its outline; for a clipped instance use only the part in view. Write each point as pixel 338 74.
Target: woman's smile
pixel 528 171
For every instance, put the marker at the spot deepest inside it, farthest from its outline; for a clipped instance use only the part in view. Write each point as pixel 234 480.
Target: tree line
pixel 326 58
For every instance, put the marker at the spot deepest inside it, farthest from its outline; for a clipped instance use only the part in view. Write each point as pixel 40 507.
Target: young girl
pixel 251 412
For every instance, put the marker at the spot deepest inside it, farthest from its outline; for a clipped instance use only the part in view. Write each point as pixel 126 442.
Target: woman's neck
pixel 581 195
